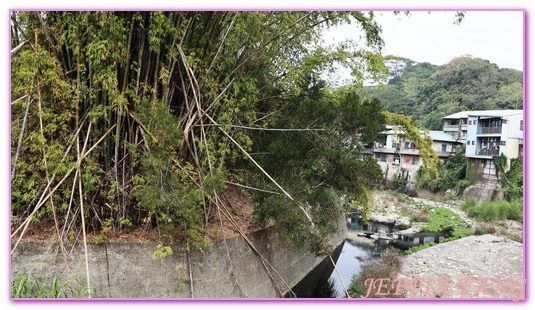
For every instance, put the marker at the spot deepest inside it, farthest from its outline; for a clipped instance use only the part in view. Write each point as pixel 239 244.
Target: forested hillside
pixel 126 120
pixel 428 92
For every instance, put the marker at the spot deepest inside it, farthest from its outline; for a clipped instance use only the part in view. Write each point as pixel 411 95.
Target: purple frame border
pixel 298 300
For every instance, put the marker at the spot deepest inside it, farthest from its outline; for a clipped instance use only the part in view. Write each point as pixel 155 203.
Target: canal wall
pixel 226 269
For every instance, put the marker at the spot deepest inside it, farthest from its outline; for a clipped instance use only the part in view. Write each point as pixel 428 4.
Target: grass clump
pixel 484 229
pixel 487 211
pixel 29 286
pixel 385 267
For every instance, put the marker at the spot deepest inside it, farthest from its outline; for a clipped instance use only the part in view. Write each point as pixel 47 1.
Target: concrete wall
pixel 226 269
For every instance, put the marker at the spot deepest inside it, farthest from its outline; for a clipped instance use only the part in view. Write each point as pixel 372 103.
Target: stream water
pixel 324 282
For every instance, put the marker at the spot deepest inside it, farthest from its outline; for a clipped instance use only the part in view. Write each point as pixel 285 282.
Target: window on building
pixel 469 122
pixel 444 147
pixel 521 125
pixel 383 157
pixel 415 160
pixel 473 142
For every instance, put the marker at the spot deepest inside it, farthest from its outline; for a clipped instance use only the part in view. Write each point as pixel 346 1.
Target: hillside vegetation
pixel 428 92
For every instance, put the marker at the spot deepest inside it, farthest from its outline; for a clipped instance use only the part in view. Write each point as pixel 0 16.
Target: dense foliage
pixel 451 174
pixel 322 168
pixel 511 175
pixel 138 119
pixel 429 92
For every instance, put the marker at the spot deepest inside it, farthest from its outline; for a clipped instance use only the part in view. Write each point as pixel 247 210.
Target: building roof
pixel 441 136
pixel 465 114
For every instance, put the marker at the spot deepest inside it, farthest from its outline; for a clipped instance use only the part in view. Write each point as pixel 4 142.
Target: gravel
pixel 485 266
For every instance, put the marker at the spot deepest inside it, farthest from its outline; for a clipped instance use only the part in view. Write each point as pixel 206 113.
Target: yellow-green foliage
pixel 423 143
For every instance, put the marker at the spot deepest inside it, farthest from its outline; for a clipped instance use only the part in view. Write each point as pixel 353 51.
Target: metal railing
pixel 450 127
pixel 488 152
pixel 489 130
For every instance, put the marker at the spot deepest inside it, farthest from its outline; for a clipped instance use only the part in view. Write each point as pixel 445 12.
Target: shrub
pixel 497 210
pixel 483 229
pixel 385 267
pixel 468 204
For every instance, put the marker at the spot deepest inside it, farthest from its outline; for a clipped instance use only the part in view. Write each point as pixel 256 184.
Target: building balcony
pixel 488 152
pixel 489 130
pixel 450 128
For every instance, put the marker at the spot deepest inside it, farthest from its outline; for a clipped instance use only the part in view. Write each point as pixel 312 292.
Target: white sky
pixel 432 37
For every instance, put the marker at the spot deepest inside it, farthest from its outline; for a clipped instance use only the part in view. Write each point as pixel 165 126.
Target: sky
pixel 432 36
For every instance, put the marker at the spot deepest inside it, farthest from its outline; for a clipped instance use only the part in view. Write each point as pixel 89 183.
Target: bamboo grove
pixel 141 119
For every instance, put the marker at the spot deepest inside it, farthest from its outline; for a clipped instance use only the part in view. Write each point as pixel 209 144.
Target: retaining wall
pixel 226 269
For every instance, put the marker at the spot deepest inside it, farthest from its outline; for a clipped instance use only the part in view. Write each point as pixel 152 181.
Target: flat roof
pixel 465 114
pixel 441 136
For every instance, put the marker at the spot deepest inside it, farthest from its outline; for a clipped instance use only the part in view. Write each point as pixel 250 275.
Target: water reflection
pixel 354 253
pixel 324 282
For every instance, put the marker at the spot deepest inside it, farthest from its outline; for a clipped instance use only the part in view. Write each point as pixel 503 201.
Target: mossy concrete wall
pixel 226 269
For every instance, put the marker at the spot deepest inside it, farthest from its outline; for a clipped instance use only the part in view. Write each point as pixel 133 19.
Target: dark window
pixel 469 122
pixel 521 125
pixel 473 142
pixel 444 146
pixel 415 160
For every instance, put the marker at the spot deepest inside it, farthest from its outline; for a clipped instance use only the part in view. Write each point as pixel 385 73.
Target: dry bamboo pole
pixel 266 129
pixel 274 182
pixel 82 214
pixel 44 198
pixel 262 258
pixel 19 144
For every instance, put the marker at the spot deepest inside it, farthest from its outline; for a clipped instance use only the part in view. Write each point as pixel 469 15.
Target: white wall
pixel 471 136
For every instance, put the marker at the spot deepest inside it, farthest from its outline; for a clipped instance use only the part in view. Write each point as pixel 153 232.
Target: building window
pixel 444 146
pixel 521 125
pixel 502 143
pixel 469 122
pixel 473 142
pixel 383 157
pixel 415 160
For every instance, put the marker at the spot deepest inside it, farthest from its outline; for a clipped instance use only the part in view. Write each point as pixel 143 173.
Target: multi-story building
pixel 491 133
pixel 399 158
pixel 456 125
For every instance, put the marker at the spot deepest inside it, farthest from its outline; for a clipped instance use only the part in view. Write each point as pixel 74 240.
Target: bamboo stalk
pixel 249 242
pixel 41 130
pixel 267 129
pixel 42 200
pixel 82 214
pixel 18 47
pixel 19 144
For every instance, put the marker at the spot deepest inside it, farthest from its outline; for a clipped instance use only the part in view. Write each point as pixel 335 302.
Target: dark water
pixel 324 282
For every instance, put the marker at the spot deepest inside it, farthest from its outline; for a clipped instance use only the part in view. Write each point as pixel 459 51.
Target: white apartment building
pixel 491 133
